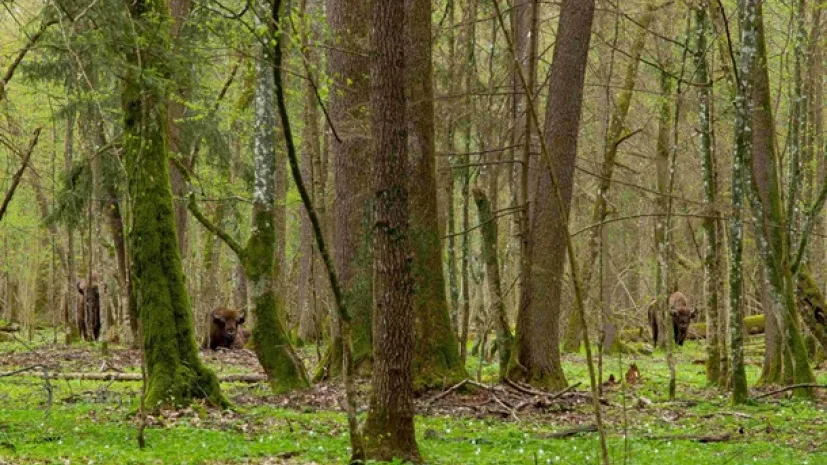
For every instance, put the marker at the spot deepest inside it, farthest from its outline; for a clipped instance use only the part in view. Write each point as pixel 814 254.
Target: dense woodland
pixel 445 231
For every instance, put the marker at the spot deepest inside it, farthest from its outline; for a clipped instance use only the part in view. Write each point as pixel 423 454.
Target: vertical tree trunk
pixel 69 324
pixel 446 170
pixel 312 282
pixel 526 26
pixel 270 340
pixel 505 340
pixel 436 360
pixel 389 428
pixel 710 176
pixel 765 193
pixel 743 146
pixel 469 78
pixel 772 368
pixel 613 138
pixel 536 358
pixel 353 205
pixel 175 374
pixel 663 237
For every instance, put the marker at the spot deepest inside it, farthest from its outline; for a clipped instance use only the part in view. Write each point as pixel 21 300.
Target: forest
pixel 438 232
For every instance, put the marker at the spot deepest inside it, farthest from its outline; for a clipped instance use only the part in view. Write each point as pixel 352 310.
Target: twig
pixel 19 174
pixel 447 392
pixel 44 374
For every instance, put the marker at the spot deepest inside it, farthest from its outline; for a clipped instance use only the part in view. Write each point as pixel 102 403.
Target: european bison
pixel 682 315
pixel 226 330
pixel 88 309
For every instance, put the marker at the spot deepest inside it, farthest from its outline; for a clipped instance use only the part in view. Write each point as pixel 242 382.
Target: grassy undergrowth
pixel 95 423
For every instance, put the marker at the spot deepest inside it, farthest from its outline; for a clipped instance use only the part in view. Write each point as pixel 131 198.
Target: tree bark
pixel 505 340
pixel 712 272
pixel 389 428
pixel 436 361
pixel 536 358
pixel 765 193
pixel 175 374
pixel 348 65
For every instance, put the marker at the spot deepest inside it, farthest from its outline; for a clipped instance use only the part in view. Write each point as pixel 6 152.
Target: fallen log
pixel 117 376
pixel 570 432
pixel 708 438
pixel 754 324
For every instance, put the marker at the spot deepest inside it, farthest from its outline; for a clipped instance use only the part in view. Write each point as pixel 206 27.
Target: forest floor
pixel 95 422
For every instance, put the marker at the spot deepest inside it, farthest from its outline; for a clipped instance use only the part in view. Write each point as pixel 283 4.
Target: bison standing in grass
pixel 681 314
pixel 88 309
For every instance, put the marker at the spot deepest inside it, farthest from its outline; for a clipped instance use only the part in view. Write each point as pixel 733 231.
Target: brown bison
pixel 682 315
pixel 226 330
pixel 88 309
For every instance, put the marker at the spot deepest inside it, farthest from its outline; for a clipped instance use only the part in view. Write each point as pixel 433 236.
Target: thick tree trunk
pixel 175 374
pixel 389 428
pixel 766 196
pixel 614 137
pixel 351 152
pixel 436 361
pixel 536 358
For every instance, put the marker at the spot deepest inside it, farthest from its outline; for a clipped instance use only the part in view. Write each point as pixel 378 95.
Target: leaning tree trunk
pixel 350 150
pixel 436 361
pixel 175 374
pixel 536 356
pixel 389 429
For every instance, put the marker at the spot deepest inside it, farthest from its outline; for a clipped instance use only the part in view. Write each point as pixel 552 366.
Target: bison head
pixel 227 322
pixel 682 317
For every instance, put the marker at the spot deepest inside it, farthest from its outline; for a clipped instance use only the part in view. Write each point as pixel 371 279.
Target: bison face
pixel 681 319
pixel 228 324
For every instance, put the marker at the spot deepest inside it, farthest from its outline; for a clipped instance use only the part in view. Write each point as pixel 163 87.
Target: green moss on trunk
pixel 175 374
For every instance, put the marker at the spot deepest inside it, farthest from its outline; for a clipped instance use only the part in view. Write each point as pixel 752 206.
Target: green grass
pixel 95 422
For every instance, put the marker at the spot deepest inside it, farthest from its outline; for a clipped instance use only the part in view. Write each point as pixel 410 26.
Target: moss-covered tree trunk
pixel 765 191
pixel 270 340
pixel 436 361
pixel 175 374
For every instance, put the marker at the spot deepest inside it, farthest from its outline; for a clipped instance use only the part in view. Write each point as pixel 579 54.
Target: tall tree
pixel 712 256
pixel 536 357
pixel 389 428
pixel 764 187
pixel 436 360
pixel 271 342
pixel 350 150
pixel 175 374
